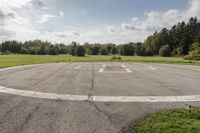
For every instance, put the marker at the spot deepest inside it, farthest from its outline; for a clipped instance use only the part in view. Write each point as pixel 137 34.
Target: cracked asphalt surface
pixel 20 114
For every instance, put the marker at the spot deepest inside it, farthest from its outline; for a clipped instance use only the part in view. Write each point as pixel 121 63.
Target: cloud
pixel 60 34
pixel 138 29
pixel 194 8
pixel 66 34
pixel 111 29
pixel 156 20
pixel 13 25
pixel 5 17
pixel 127 26
pixel 61 13
pixel 7 5
pixel 134 19
pixel 36 4
pixel 21 4
pixel 5 33
pixel 22 19
pixel 91 34
pixel 45 18
pixel 76 34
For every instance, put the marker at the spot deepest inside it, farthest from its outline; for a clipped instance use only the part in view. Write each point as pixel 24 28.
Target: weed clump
pixel 116 58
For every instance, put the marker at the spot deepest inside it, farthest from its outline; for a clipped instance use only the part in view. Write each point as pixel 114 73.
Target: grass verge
pixel 172 121
pixel 17 59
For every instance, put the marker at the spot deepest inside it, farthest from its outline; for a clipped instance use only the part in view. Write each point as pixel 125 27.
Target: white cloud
pixel 16 23
pixel 45 18
pixel 111 30
pixel 157 20
pixel 127 26
pixel 134 19
pixel 61 13
pixel 138 29
pixel 12 24
pixel 194 8
pixel 66 34
pixel 92 34
pixel 7 5
pixel 76 34
pixel 63 34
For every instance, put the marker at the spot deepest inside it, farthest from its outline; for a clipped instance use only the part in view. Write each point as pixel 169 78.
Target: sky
pixel 94 21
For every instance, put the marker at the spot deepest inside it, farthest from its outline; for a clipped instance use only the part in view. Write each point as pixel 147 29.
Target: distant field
pixel 16 60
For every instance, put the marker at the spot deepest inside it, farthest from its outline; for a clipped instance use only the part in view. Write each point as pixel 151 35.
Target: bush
pixel 165 51
pixel 127 50
pixel 194 54
pixel 53 51
pixel 104 51
pixel 116 58
pixel 114 50
pixel 5 53
pixel 80 51
pixel 89 51
pixel 23 50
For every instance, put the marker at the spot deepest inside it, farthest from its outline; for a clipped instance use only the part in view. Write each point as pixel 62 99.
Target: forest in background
pixel 182 39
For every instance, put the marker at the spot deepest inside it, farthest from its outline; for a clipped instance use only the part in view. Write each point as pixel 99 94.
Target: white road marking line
pixel 77 67
pixel 101 70
pixel 115 72
pixel 153 68
pixel 43 95
pixel 192 98
pixel 123 66
pixel 104 66
pixel 87 68
pixel 128 70
pixel 22 66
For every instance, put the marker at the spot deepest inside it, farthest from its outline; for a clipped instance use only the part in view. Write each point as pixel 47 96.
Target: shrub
pixel 89 51
pixel 165 51
pixel 194 54
pixel 104 51
pixel 80 51
pixel 5 53
pixel 127 50
pixel 114 50
pixel 115 58
pixel 23 50
pixel 53 51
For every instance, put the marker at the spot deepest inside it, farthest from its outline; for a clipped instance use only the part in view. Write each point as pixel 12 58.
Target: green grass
pixel 16 60
pixel 173 121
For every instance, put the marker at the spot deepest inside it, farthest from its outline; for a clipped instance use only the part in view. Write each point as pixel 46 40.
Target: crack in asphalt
pixel 91 89
pixel 92 103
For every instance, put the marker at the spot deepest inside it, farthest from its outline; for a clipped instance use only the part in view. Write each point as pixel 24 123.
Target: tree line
pixel 180 40
pixel 38 47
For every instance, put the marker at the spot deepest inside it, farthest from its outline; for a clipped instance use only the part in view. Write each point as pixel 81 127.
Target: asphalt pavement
pixel 88 97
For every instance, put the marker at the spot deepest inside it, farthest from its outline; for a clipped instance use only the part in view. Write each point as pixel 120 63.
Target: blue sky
pixel 117 21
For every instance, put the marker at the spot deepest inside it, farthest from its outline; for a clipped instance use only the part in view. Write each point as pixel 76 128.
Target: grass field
pixel 16 60
pixel 173 121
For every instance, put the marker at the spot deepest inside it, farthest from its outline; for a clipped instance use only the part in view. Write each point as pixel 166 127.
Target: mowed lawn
pixel 172 121
pixel 17 59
